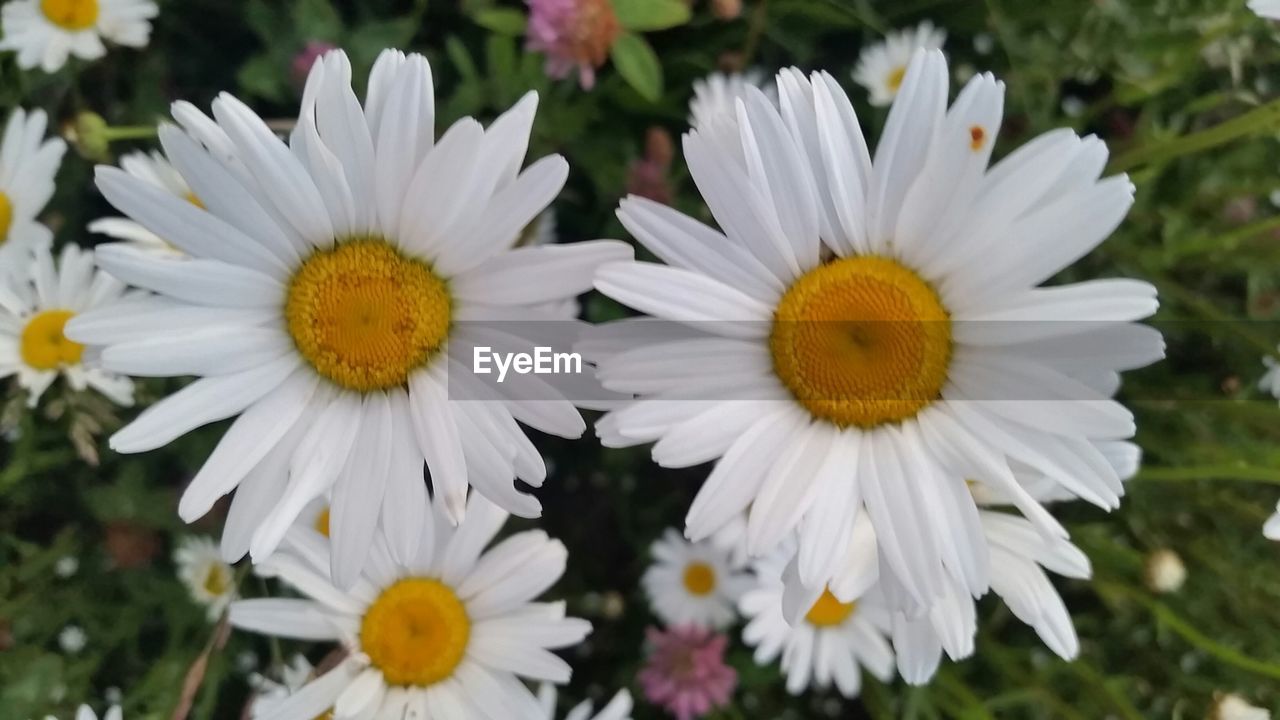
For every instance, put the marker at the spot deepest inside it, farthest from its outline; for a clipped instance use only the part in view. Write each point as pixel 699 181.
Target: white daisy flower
pixel 210 580
pixel 619 708
pixel 44 32
pixel 825 641
pixel 693 583
pixel 153 168
pixel 872 334
pixel 1269 9
pixel 882 67
pixel 34 310
pixel 86 713
pixel 28 164
pixel 331 284
pixel 1231 706
pixel 1271 530
pixel 1270 381
pixel 718 93
pixel 448 633
pixel 72 639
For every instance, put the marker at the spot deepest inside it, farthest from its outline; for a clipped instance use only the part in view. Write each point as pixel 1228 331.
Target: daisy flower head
pixel 28 164
pixel 45 32
pixel 35 308
pixel 870 333
pixel 693 583
pixel 574 34
pixel 84 712
pixel 1271 530
pixel 72 639
pixel 209 579
pixel 155 169
pixel 333 291
pixel 1230 706
pixel 822 642
pixel 619 708
pixel 449 633
pixel 1269 9
pixel 685 671
pixel 1270 380
pixel 882 67
pixel 718 93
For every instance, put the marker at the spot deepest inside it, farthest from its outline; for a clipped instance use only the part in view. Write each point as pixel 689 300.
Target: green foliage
pixel 1183 91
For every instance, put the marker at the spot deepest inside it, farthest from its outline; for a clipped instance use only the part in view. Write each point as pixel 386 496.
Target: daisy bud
pixel 88 135
pixel 1165 572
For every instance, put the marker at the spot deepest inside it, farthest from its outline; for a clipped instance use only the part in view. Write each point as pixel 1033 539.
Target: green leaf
pixel 461 59
pixel 504 21
pixel 646 15
pixel 638 64
pixel 262 76
pixel 317 20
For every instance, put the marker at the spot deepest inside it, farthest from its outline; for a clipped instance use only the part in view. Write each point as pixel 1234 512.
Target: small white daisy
pixel 34 309
pixel 155 169
pixel 871 333
pixel 1231 706
pixel 1272 528
pixel 827 641
pixel 1269 9
pixel 693 583
pixel 86 713
pixel 28 164
pixel 335 289
pixel 66 566
pixel 210 580
pixel 718 93
pixel 1270 381
pixel 619 708
pixel 45 32
pixel 72 639
pixel 883 67
pixel 448 633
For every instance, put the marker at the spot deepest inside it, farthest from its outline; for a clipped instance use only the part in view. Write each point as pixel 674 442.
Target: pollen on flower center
pixel 44 347
pixel 861 341
pixel 365 316
pixel 73 15
pixel 6 217
pixel 894 80
pixel 699 578
pixel 828 611
pixel 415 632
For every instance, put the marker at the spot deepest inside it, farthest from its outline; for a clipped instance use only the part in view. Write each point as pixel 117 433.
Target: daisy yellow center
pixel 322 522
pixel 73 15
pixel 217 580
pixel 415 632
pixel 6 217
pixel 365 316
pixel 699 578
pixel 895 77
pixel 44 347
pixel 829 612
pixel 861 342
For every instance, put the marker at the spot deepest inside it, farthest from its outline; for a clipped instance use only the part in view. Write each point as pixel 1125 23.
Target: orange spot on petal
pixel 977 138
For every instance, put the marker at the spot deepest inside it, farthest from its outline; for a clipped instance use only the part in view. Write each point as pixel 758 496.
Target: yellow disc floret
pixel 44 347
pixel 699 578
pixel 861 341
pixel 829 612
pixel 365 316
pixel 73 15
pixel 415 632
pixel 6 217
pixel 217 579
pixel 894 80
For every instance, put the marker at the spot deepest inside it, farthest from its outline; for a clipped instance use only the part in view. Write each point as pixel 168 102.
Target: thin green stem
pixel 1225 471
pixel 131 132
pixel 1265 118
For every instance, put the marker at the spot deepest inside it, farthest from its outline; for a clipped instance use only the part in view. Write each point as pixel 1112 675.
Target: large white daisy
pixel 882 67
pixel 45 32
pixel 35 307
pixel 28 164
pixel 335 289
pixel 619 708
pixel 449 632
pixel 155 169
pixel 870 334
pixel 693 583
pixel 827 641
